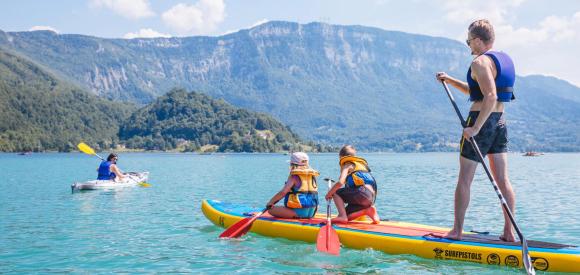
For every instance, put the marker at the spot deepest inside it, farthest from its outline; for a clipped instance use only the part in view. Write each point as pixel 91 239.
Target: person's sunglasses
pixel 468 41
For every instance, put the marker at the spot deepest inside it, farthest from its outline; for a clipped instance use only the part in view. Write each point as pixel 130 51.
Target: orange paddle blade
pixel 327 240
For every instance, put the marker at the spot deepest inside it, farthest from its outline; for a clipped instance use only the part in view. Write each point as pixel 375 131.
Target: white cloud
pixel 466 11
pixel 551 29
pixel 200 18
pixel 43 28
pixel 132 9
pixel 145 33
pixel 546 47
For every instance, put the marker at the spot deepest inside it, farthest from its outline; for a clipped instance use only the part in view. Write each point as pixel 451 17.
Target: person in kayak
pixel 300 192
pixel 108 169
pixel 490 81
pixel 356 187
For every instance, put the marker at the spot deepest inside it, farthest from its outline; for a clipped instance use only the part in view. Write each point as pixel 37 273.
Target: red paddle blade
pixel 327 240
pixel 234 230
pixel 240 228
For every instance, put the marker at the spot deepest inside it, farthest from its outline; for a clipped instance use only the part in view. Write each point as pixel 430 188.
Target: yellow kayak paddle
pixel 83 147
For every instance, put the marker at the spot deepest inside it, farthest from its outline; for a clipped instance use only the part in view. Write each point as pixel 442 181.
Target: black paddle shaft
pixel 527 260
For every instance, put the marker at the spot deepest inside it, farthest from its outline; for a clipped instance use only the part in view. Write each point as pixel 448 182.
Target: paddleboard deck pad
pixel 394 237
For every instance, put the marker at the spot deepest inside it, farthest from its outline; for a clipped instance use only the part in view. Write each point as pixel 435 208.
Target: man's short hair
pixel 483 30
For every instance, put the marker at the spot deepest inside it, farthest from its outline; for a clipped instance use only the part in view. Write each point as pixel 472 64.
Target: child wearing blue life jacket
pixel 300 192
pixel 355 187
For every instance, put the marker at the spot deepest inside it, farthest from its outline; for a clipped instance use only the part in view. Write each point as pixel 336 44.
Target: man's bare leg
pixel 462 194
pixel 499 169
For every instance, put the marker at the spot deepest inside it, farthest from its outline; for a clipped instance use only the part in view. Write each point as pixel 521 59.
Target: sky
pixel 543 37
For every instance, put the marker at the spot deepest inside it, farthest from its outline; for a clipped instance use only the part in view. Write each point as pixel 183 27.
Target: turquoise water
pixel 44 228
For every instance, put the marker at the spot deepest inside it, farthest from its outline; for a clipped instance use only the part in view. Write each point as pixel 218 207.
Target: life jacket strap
pixel 502 93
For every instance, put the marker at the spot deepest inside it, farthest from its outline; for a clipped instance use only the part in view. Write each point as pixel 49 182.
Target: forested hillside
pixel 196 122
pixel 39 112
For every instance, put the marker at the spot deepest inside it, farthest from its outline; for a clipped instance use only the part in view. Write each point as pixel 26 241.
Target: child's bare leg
pixel 357 214
pixel 341 218
pixel 372 213
pixel 282 212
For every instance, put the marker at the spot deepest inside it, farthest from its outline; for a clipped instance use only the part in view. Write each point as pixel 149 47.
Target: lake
pixel 44 228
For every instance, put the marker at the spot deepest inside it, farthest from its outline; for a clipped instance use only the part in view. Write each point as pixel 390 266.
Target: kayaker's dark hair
pixel 347 150
pixel 111 156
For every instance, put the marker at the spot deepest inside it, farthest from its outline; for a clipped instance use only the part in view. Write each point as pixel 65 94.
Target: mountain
pixel 194 122
pixel 546 115
pixel 40 112
pixel 336 84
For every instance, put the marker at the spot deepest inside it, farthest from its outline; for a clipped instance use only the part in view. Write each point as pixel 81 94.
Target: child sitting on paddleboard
pixel 355 187
pixel 300 191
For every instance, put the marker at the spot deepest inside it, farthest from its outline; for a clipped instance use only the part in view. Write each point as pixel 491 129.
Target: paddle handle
pixel 491 179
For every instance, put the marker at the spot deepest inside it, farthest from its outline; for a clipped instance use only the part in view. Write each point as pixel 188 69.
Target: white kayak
pixel 131 179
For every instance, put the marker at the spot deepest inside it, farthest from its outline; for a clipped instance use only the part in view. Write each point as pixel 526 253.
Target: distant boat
pixel 532 154
pixel 24 153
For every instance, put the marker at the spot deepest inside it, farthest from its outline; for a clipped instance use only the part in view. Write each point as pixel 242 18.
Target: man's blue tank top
pixel 504 81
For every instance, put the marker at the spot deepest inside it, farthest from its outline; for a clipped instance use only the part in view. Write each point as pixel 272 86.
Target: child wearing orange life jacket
pixel 300 192
pixel 355 187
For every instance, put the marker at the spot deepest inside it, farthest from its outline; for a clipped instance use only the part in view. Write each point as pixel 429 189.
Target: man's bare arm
pixel 458 84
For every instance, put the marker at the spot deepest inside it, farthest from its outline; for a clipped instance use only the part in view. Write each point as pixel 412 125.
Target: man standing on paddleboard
pixel 490 81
